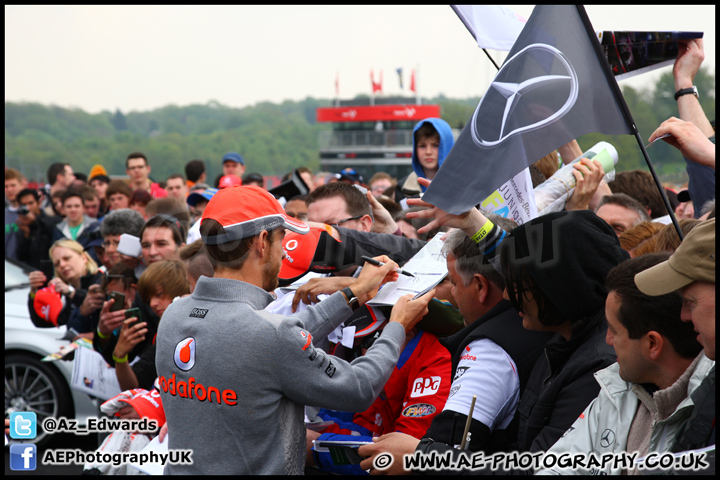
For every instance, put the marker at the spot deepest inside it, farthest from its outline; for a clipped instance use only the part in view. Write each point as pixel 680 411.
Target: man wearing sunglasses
pixel 341 205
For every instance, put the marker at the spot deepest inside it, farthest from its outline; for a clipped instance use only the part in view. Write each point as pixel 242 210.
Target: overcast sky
pixel 143 57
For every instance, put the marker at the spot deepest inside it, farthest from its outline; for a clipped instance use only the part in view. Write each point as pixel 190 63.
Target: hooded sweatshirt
pixel 409 185
pixel 567 255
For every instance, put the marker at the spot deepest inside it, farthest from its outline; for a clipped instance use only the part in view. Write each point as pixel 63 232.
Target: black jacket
pixel 700 427
pixel 562 384
pixel 357 244
pixel 69 307
pixel 37 247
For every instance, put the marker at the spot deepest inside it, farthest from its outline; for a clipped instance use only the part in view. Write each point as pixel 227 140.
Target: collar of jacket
pixel 232 290
pixel 559 350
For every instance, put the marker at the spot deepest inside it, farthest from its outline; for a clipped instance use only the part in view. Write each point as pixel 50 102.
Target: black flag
pixel 551 89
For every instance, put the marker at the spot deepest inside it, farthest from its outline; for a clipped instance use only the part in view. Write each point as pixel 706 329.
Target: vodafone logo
pixel 185 354
pixel 425 386
pixel 349 114
pixel 291 245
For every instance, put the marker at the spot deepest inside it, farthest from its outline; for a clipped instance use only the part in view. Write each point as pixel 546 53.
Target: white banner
pixel 493 26
pixel 514 199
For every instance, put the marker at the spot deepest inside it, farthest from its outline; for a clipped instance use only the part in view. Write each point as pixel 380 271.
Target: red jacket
pixel 415 393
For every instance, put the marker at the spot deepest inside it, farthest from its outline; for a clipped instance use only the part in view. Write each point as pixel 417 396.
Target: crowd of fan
pixel 560 332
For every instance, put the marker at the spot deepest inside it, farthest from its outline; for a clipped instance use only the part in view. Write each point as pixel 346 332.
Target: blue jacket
pixel 447 140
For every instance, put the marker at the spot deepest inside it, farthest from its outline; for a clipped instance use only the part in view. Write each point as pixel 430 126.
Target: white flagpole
pixel 417 89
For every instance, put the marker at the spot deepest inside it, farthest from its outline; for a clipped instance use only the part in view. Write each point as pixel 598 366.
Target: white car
pixel 32 385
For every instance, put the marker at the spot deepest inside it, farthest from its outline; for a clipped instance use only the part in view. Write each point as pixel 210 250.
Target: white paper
pixel 157 447
pixel 429 267
pixel 92 375
pixel 348 337
pixel 301 281
pixel 514 199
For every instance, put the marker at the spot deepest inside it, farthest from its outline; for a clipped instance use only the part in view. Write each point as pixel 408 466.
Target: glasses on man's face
pixel 337 224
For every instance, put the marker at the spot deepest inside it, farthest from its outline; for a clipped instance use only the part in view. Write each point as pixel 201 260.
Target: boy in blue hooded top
pixel 432 141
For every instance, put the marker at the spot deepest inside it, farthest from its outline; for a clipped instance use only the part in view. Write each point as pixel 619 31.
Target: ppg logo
pixel 185 354
pixel 425 386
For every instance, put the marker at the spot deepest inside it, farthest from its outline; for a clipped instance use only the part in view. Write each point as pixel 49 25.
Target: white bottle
pixel 551 195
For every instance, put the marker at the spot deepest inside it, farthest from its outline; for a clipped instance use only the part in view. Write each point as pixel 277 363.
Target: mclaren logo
pixel 185 354
pixel 513 92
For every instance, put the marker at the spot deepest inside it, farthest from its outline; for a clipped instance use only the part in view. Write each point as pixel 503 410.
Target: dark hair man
pixel 161 238
pixel 176 187
pixel 76 225
pixel 60 177
pixel 640 185
pixel 35 229
pixel 195 172
pixel 204 370
pixel 137 168
pixel 644 397
pixel 341 205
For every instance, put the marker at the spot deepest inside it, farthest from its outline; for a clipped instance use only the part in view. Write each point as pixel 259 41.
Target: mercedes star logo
pixel 607 438
pixel 513 92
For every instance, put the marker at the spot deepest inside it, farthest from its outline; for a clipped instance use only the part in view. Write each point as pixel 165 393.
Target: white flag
pixel 493 26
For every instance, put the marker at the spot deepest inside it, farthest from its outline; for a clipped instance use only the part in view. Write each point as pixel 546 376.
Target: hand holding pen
pixel 378 263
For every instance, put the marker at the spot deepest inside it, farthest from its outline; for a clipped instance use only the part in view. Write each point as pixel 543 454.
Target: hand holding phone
pixel 119 301
pixel 133 312
pixel 46 267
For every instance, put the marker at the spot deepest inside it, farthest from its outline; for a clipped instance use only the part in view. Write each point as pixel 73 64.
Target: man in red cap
pixel 234 379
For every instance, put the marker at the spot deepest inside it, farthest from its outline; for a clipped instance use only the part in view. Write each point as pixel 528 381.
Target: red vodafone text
pixel 197 391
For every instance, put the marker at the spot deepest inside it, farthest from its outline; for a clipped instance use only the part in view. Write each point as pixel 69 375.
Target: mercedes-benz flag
pixel 551 89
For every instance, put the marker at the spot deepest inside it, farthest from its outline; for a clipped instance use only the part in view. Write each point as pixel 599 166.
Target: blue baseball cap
pixel 233 157
pixel 194 197
pixel 350 174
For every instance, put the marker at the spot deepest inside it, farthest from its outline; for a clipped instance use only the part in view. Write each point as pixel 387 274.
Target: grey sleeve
pixel 312 377
pixel 322 318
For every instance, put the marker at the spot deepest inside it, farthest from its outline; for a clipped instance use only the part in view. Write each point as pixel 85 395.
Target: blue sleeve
pixel 343 420
pixel 324 460
pixel 82 323
pixel 701 183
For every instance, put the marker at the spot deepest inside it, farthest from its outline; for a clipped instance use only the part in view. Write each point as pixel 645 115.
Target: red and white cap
pixel 48 304
pixel 229 181
pixel 245 211
pixel 316 252
pixel 147 404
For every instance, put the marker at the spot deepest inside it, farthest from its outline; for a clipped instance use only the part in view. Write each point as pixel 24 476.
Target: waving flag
pixel 412 82
pixel 493 26
pixel 376 87
pixel 555 86
pixel 399 72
